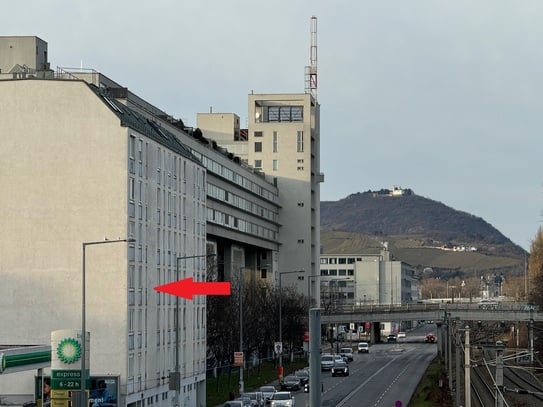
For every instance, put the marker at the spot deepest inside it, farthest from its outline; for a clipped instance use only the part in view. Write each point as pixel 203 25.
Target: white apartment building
pixel 365 279
pixel 78 166
pixel 85 159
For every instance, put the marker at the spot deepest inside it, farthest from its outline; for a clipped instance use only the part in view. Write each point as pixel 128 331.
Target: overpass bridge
pixel 441 313
pixel 433 312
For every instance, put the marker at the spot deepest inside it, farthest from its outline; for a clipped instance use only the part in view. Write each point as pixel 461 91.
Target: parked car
pixel 233 403
pixel 267 392
pixel 347 353
pixel 256 398
pixel 245 400
pixel 303 375
pixel 430 338
pixel 291 382
pixel 282 399
pixel 327 361
pixel 391 338
pixel 363 347
pixel 340 369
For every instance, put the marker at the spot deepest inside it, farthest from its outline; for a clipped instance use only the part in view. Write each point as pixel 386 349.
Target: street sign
pixel 238 358
pixel 64 379
pixel 278 347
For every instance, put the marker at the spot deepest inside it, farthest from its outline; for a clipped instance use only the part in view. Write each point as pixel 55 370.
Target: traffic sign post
pixel 278 348
pixel 238 358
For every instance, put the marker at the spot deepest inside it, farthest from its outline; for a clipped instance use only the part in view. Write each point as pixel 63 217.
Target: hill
pixel 419 231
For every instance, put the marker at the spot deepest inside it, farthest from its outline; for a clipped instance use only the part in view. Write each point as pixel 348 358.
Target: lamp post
pixel 83 387
pixel 241 384
pixel 177 373
pixel 281 317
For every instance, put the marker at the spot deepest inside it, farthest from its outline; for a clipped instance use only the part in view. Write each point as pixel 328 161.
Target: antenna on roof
pixel 311 70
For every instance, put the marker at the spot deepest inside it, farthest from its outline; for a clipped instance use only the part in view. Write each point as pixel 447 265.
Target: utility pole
pixel 467 367
pixel 457 350
pixel 531 337
pixel 499 376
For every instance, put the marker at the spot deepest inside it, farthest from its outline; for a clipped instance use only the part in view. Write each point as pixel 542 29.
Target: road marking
pixel 352 393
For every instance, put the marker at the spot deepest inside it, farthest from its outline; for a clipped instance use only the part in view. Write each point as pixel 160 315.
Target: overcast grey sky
pixel 443 97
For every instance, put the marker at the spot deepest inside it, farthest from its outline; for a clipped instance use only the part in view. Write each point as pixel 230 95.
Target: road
pixel 388 374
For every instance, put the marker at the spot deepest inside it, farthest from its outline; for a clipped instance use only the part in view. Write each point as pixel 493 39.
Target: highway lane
pixel 389 373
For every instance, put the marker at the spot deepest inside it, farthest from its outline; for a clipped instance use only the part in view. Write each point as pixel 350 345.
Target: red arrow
pixel 186 288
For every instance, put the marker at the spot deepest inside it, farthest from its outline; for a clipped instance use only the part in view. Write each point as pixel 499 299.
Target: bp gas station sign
pixel 66 356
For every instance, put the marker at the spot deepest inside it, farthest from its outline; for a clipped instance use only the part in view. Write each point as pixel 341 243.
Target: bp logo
pixel 69 350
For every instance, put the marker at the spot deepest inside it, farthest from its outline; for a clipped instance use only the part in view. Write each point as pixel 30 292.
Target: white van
pixel 363 347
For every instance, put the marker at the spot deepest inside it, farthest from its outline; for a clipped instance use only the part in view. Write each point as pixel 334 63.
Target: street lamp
pixel 281 318
pixel 241 285
pixel 83 387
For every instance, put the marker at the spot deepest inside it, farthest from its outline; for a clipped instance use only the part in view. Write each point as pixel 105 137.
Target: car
pixel 303 375
pixel 391 338
pixel 291 382
pixel 245 400
pixel 430 338
pixel 363 347
pixel 233 403
pixel 256 398
pixel 267 392
pixel 401 335
pixel 282 399
pixel 340 369
pixel 327 361
pixel 347 353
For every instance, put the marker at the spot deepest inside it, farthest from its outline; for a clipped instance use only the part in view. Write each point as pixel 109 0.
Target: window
pixel 273 113
pixel 300 142
pixel 258 147
pixel 299 168
pixel 263 273
pixel 275 165
pixel 285 113
pixel 274 142
pixel 297 113
pixel 258 134
pixel 258 164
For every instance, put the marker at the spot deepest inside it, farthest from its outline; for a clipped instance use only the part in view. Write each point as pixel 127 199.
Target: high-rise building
pixel 283 142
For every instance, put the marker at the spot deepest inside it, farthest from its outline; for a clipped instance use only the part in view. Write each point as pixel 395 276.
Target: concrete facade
pixel 23 55
pixel 365 279
pixel 283 142
pixel 60 142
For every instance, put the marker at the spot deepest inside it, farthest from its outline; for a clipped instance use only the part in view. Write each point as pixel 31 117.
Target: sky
pixel 442 97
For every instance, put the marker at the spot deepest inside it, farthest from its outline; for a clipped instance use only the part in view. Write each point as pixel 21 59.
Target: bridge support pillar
pixel 375 332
